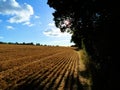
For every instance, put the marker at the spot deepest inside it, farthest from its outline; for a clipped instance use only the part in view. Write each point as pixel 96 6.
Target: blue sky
pixel 29 21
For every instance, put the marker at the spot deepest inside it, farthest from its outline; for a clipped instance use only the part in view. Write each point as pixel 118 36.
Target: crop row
pixel 54 70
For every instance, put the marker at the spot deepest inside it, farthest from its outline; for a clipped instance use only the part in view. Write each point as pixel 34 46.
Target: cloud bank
pixel 52 31
pixel 10 27
pixel 19 13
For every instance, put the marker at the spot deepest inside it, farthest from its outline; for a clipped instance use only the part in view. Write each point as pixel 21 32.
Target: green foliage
pixel 16 43
pixel 85 18
pixel 2 42
pixel 37 44
pixel 90 23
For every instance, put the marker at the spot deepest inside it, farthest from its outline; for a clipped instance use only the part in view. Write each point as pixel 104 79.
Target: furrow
pixel 30 81
pixel 62 71
pixel 51 74
pixel 64 80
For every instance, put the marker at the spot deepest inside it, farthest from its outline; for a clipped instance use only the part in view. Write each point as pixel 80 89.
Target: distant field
pixel 25 67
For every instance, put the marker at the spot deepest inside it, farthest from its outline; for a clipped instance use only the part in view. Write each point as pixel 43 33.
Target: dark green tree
pixel 90 22
pixel 82 18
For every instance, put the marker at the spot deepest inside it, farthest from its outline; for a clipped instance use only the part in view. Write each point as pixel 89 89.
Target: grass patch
pixel 85 74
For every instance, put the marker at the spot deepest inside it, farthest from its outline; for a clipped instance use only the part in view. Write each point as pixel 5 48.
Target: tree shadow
pixel 71 83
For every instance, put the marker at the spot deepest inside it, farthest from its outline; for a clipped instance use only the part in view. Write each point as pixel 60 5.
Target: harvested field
pixel 24 67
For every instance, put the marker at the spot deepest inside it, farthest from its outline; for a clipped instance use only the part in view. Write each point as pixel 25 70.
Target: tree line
pixel 25 43
pixel 17 43
pixel 92 25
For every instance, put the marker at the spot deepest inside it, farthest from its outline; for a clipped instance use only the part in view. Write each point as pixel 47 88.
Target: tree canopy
pixel 81 18
pixel 90 22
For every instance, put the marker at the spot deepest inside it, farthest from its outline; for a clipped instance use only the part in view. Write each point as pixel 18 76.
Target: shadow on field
pixel 71 83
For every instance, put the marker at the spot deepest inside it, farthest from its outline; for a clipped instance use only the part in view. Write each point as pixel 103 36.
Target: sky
pixel 30 21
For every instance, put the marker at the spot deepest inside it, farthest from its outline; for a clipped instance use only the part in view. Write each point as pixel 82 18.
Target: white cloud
pixel 19 13
pixel 55 32
pixel 10 27
pixel 58 38
pixel 62 41
pixel 1 37
pixel 51 24
pixel 28 23
pixel 52 31
pixel 37 17
pixel 59 41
